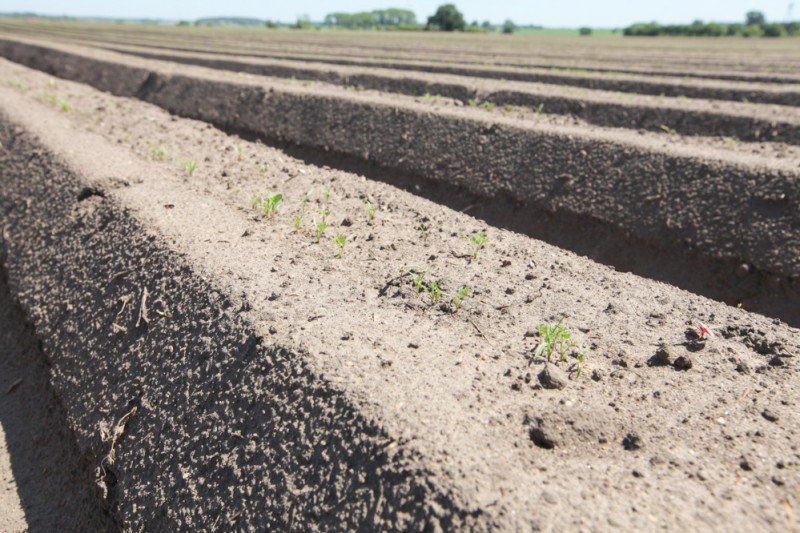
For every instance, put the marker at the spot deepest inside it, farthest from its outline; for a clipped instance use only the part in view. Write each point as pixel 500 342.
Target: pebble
pixel 682 363
pixel 552 377
pixel 769 415
pixel 663 356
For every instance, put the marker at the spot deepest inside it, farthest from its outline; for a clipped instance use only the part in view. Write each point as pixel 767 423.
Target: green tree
pixel 754 17
pixel 585 30
pixel 509 27
pixel 447 18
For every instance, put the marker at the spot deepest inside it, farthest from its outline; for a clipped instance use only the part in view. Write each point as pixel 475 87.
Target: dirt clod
pixel 683 363
pixel 552 377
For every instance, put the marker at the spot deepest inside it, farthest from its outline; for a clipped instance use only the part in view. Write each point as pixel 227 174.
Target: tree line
pixel 754 25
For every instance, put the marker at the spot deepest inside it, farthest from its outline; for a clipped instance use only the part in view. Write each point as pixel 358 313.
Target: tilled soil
pixel 256 378
pixel 670 210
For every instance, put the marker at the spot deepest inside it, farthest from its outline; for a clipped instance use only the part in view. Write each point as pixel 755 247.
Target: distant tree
pixel 754 17
pixel 486 25
pixel 183 23
pixel 303 23
pixel 270 24
pixel 447 18
pixel 774 30
pixel 753 30
pixel 509 27
pixel 587 30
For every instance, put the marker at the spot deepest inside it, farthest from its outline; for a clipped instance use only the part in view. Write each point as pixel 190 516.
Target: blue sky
pixel 563 13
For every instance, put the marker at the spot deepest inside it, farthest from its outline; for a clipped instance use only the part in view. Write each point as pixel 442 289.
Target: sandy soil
pixel 641 440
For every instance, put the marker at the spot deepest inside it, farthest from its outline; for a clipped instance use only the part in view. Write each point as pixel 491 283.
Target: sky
pixel 562 13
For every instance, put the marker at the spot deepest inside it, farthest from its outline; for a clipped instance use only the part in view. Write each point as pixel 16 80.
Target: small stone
pixel 742 367
pixel 662 357
pixel 597 374
pixel 347 335
pixel 769 415
pixel 745 465
pixel 273 330
pixel 510 290
pixel 682 363
pixel 778 481
pixel 529 276
pixel 346 222
pixel 505 263
pixel 552 377
pixel 636 473
pixel 531 333
pixel 413 345
pixel 549 497
pixel 742 270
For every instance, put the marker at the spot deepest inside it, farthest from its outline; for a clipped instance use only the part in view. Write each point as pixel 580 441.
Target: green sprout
pixel 51 83
pixel 419 283
pixel 340 241
pixel 270 203
pixel 159 152
pixel 126 137
pixel 239 152
pixel 298 222
pixel 538 110
pixel 472 102
pixel 18 84
pixel 488 106
pixel 327 193
pixel 553 338
pixel 255 201
pixel 322 225
pixel 461 294
pixel 478 241
pixel 581 358
pixel 428 97
pixel 189 166
pixel 435 290
pixel 668 130
pixel 370 211
pixel 423 231
pixel 509 108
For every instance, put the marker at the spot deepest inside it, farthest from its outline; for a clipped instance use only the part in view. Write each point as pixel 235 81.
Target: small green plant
pixel 298 222
pixel 126 137
pixel 370 211
pixel 668 130
pixel 435 290
pixel 189 166
pixel 538 110
pixel 159 152
pixel 428 97
pixel 51 83
pixel 488 106
pixel 419 282
pixel 18 85
pixel 256 201
pixel 553 338
pixel 683 99
pixel 423 231
pixel 326 193
pixel 239 152
pixel 270 204
pixel 581 361
pixel 509 108
pixel 478 241
pixel 473 102
pixel 340 241
pixel 320 228
pixel 459 297
pixel 729 141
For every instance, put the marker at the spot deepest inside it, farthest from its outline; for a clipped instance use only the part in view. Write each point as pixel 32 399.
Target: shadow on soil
pixel 676 265
pixel 54 482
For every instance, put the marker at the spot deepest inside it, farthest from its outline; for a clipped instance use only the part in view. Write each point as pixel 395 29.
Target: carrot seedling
pixel 478 241
pixel 340 241
pixel 461 294
pixel 553 338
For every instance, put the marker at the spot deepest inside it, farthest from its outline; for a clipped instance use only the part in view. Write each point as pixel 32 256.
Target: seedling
pixel 159 152
pixel 435 290
pixel 189 166
pixel 423 231
pixel 255 201
pixel 370 211
pixel 419 284
pixel 327 194
pixel 538 110
pixel 581 359
pixel 126 137
pixel 488 106
pixel 472 102
pixel 298 222
pixel 668 130
pixel 428 97
pixel 478 241
pixel 461 294
pixel 553 338
pixel 271 203
pixel 51 83
pixel 340 241
pixel 683 99
pixel 321 226
pixel 18 84
pixel 729 141
pixel 239 152
pixel 509 108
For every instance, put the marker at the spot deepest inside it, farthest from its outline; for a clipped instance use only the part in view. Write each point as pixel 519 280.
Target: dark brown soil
pixel 277 385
